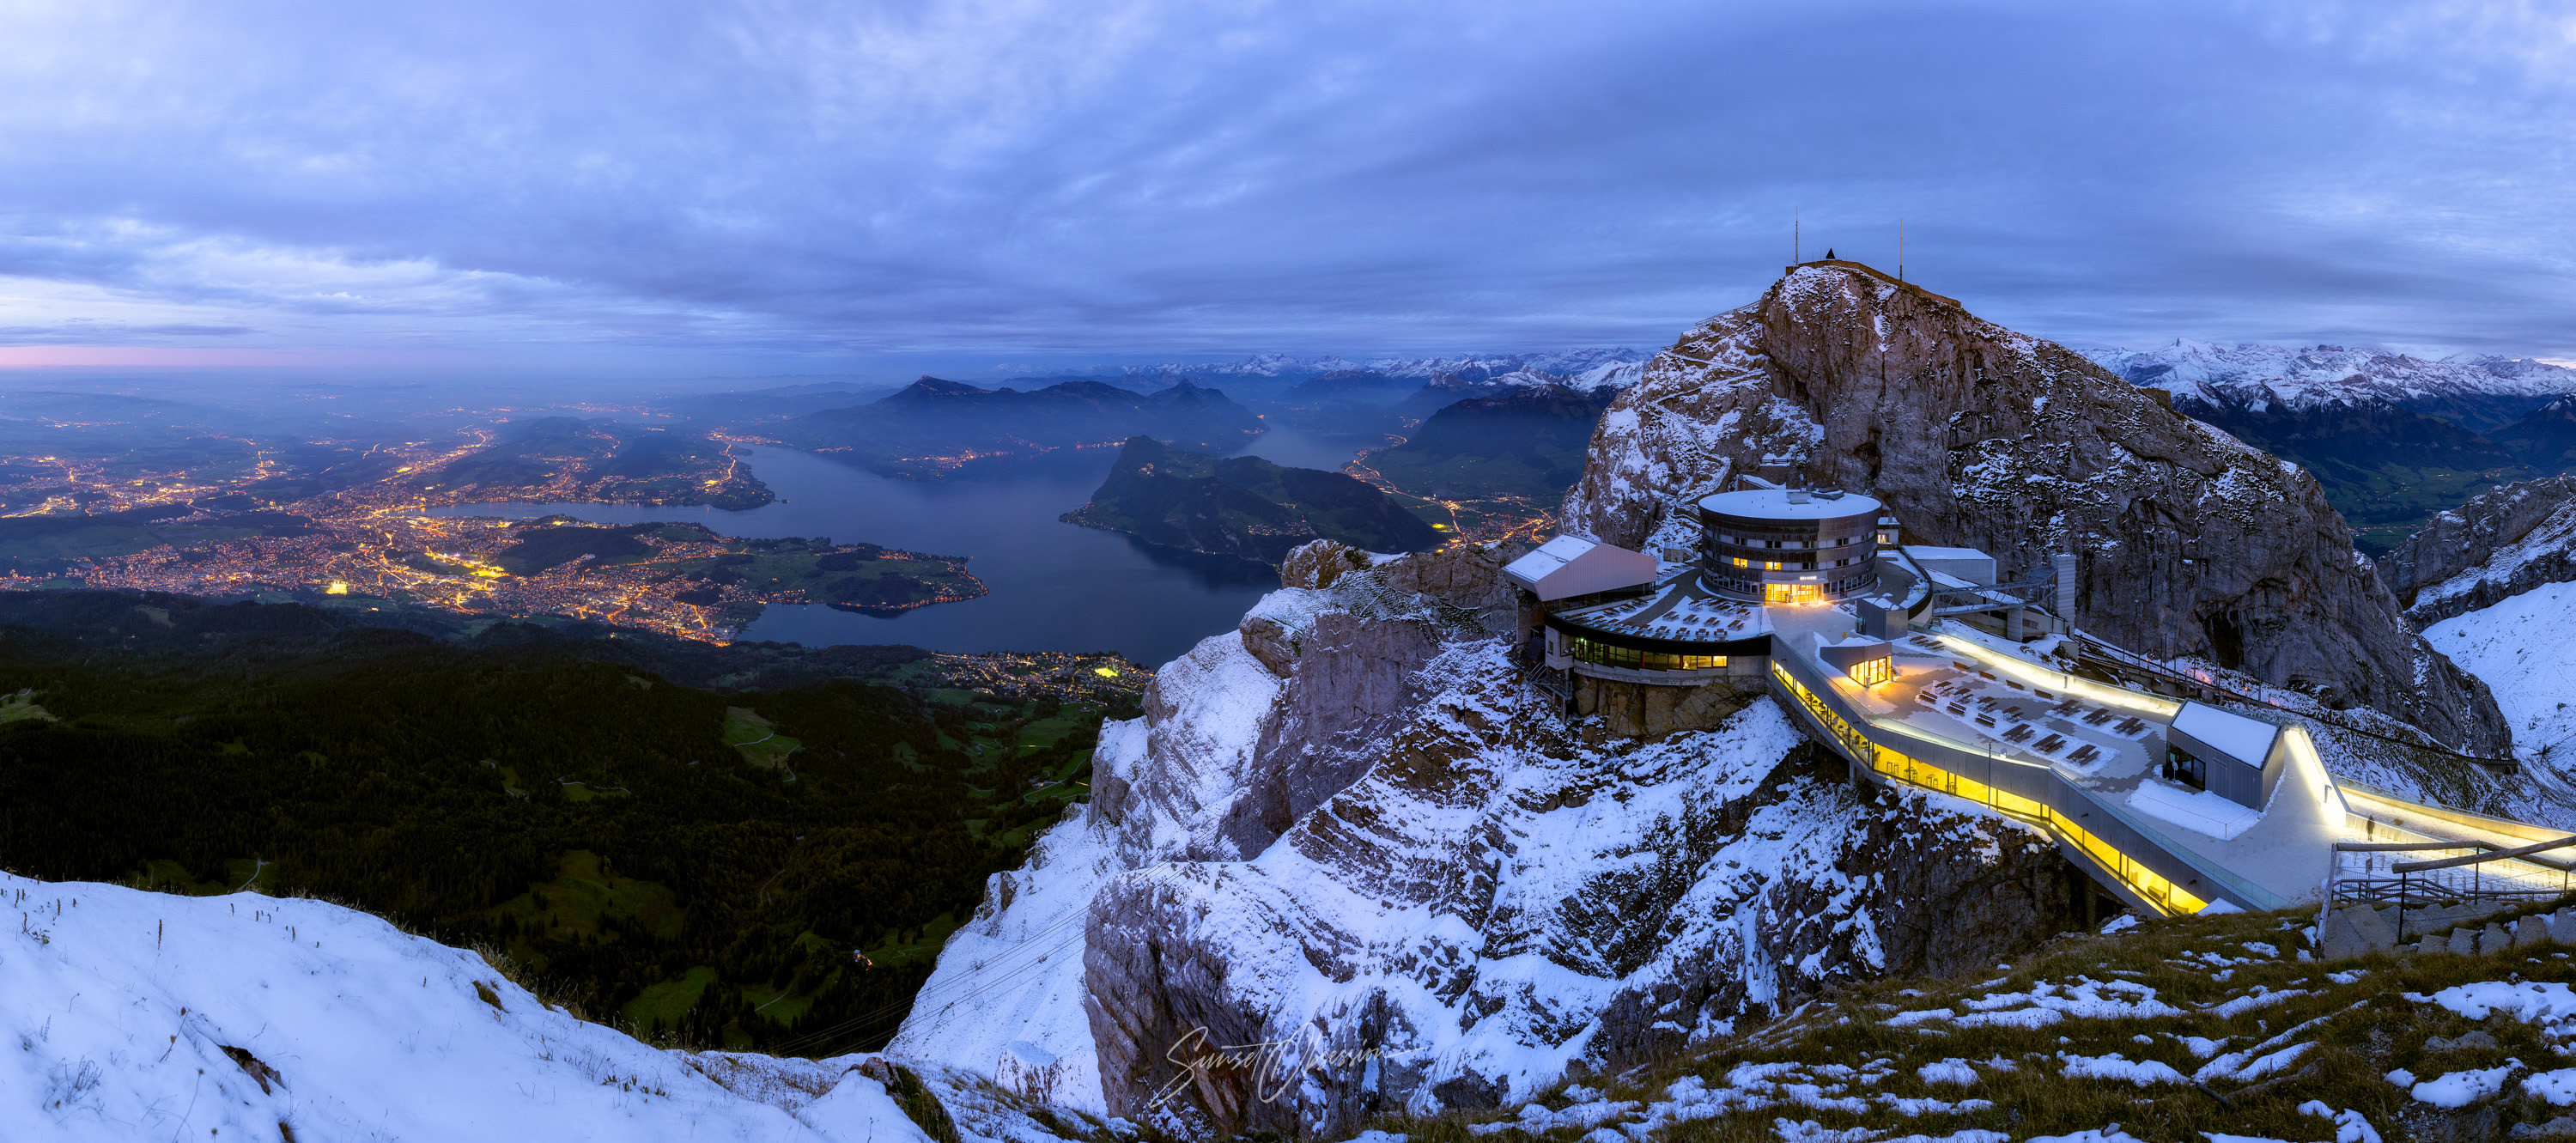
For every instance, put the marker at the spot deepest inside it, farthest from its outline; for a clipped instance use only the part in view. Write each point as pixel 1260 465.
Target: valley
pixel 693 861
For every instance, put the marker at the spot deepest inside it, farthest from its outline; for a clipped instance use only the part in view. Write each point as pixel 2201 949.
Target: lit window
pixel 1771 565
pixel 1742 562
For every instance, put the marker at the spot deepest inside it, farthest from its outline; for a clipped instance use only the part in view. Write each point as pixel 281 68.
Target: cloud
pixel 1032 181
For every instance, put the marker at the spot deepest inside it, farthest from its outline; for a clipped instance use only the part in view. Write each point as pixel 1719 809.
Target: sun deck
pixel 1973 708
pixel 1677 608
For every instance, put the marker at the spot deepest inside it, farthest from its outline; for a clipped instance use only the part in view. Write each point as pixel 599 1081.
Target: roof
pixel 1774 504
pixel 1927 552
pixel 1549 556
pixel 2248 740
pixel 1571 565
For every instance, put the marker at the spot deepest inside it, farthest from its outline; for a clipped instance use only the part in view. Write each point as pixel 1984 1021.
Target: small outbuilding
pixel 2226 753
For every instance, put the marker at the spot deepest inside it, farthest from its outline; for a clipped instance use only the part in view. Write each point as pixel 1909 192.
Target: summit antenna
pixel 1900 249
pixel 1793 239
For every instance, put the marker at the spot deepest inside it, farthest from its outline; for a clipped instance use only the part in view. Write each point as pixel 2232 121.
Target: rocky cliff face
pixel 1347 832
pixel 2488 550
pixel 2191 541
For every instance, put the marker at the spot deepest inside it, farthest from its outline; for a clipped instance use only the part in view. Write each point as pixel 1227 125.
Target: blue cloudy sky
pixel 778 184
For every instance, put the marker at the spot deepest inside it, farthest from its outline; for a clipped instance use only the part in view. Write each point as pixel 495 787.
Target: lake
pixel 1052 586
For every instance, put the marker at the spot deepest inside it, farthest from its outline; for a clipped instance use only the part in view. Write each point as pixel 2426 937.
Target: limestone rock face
pixel 1348 831
pixel 2190 542
pixel 1491 904
pixel 2488 550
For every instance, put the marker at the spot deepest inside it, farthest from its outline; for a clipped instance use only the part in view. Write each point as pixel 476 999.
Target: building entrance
pixel 1792 593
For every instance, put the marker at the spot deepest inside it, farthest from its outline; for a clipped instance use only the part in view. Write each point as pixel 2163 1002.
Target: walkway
pixel 1980 718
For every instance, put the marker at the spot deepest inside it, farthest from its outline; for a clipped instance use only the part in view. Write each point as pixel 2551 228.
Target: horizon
pixel 665 191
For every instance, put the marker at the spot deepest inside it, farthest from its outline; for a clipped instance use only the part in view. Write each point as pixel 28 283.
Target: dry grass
pixel 2361 1030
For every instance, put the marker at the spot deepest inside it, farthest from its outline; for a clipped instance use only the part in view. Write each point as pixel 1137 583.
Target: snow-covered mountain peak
pixel 2300 377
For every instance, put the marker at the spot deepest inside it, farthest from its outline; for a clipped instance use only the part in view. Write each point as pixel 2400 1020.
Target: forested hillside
pixel 685 860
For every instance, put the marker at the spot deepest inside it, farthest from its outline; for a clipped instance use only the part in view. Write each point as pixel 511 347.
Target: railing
pixel 2440 880
pixel 2142 883
pixel 2103 656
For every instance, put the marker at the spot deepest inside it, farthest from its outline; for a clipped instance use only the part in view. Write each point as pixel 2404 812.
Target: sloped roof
pixel 2248 740
pixel 1571 565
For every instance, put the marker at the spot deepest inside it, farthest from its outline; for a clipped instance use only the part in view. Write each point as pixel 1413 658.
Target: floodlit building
pixel 1788 545
pixel 1921 671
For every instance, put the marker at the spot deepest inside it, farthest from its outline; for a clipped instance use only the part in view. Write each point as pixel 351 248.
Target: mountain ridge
pixel 2190 541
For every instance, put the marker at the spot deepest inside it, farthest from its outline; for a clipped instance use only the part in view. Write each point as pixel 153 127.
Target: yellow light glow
pixel 405 468
pixel 1104 672
pixel 336 588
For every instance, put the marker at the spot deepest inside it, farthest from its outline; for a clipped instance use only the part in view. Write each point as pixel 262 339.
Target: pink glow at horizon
pixel 57 356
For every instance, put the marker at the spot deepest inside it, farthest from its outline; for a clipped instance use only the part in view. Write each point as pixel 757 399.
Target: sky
pixel 987 186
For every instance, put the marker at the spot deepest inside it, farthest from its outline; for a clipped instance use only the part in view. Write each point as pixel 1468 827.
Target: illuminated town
pixel 185 531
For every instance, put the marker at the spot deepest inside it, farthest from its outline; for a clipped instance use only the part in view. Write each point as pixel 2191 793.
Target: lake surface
pixel 1052 586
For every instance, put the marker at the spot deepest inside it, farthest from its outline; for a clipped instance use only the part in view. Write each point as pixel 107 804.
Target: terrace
pixel 1976 717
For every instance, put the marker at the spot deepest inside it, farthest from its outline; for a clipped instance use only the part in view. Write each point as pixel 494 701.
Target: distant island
pixel 1244 506
pixel 935 425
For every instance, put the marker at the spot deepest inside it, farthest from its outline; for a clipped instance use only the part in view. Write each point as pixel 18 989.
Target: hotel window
pixel 1742 562
pixel 1771 565
pixel 1871 672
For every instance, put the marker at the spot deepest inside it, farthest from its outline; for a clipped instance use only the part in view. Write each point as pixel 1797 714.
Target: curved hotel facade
pixel 1788 545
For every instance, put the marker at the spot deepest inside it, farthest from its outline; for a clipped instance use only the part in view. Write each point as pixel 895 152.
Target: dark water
pixel 1052 586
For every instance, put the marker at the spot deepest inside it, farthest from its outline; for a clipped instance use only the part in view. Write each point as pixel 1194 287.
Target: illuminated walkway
pixel 1968 716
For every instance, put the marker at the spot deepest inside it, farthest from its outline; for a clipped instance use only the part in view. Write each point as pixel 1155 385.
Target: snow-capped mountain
pixel 139 1015
pixel 2264 376
pixel 2190 541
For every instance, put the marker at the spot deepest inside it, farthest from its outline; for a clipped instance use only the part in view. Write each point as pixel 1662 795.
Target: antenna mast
pixel 1793 239
pixel 1900 249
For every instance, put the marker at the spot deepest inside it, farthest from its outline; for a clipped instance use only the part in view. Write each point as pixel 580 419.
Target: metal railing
pixel 2462 879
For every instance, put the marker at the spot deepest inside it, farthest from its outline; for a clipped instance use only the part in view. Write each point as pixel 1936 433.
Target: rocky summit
pixel 2190 541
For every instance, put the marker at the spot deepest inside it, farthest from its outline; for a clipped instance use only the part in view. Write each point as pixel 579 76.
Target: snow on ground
pixel 2047 1003
pixel 2460 1089
pixel 2204 811
pixel 2520 648
pixel 1004 1001
pixel 145 1015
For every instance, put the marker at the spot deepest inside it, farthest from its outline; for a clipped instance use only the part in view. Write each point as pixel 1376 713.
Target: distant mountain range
pixel 935 424
pixel 2393 437
pixel 1479 367
pixel 2481 393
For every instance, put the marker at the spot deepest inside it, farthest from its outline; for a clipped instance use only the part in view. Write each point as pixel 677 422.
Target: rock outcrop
pixel 2191 542
pixel 1347 831
pixel 2490 549
pixel 1490 904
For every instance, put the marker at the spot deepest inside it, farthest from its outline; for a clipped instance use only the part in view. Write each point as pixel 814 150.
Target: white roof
pixel 1571 565
pixel 1549 556
pixel 2248 740
pixel 1774 504
pixel 1925 552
